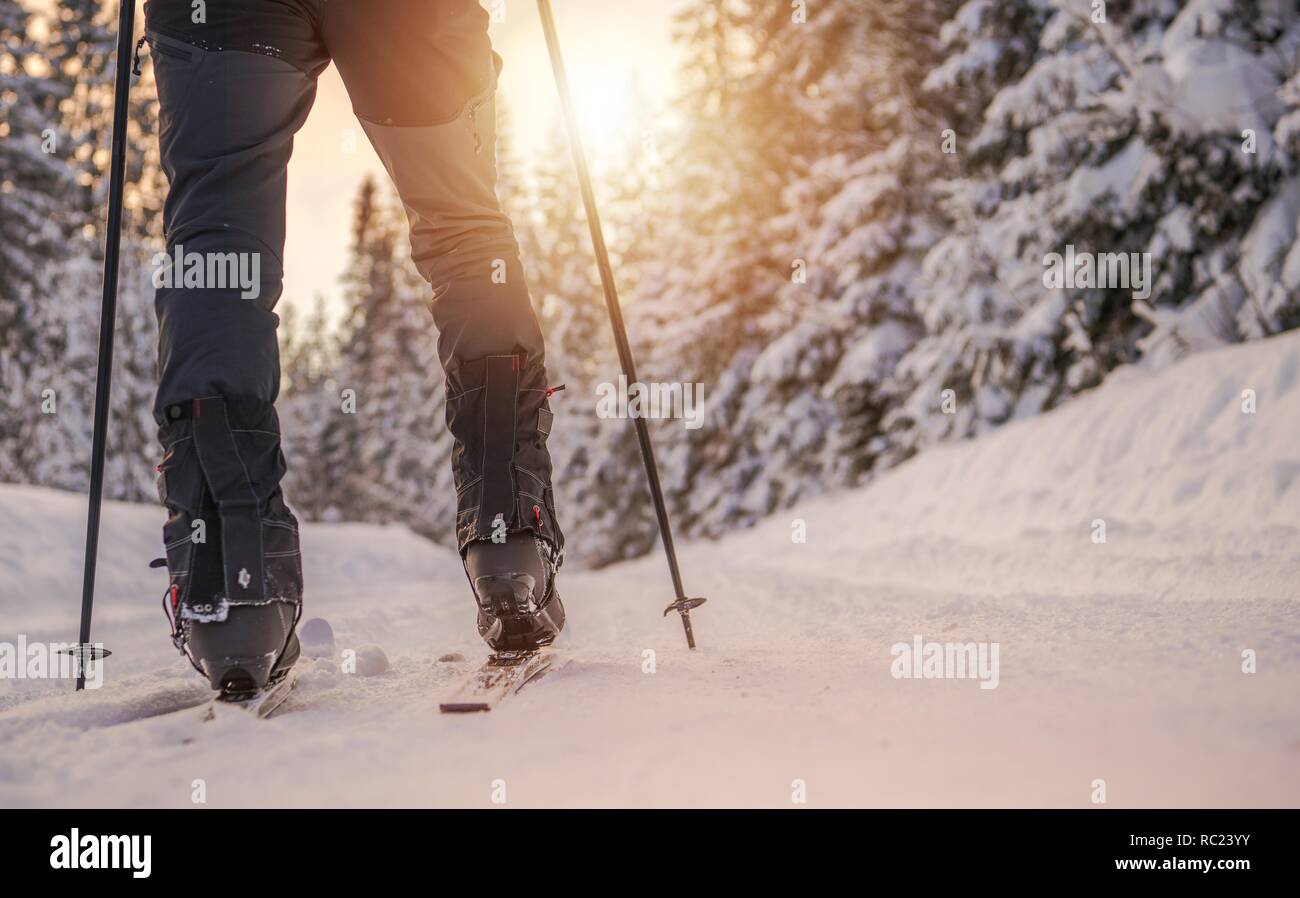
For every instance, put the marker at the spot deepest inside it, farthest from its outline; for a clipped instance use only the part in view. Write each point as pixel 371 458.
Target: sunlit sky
pixel 606 45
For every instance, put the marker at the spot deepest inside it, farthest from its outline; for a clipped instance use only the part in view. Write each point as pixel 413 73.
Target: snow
pixel 1119 661
pixel 1268 249
pixel 1121 180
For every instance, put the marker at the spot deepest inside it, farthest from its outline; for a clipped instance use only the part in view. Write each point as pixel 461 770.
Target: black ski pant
pixel 236 80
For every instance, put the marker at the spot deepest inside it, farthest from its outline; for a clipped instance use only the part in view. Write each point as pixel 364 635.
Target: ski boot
pixel 231 542
pixel 253 648
pixel 514 583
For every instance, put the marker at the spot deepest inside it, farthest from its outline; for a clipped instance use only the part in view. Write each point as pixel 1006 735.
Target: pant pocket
pixel 174 65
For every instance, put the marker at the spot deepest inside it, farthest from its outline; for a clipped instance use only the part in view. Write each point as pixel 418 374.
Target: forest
pixel 843 245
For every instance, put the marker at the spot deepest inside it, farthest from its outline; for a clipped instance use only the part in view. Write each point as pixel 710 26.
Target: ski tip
pixel 463 707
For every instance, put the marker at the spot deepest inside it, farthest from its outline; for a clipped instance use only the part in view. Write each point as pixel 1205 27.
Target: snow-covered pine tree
pixel 410 451
pixel 1246 55
pixel 860 215
pixel 368 290
pixel 308 360
pixel 1270 254
pixel 372 426
pixel 1145 127
pixel 76 46
pixel 34 183
pixel 695 313
pixel 796 217
pixel 963 301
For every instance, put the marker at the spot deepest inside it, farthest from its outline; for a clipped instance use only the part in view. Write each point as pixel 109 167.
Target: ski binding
pixel 261 703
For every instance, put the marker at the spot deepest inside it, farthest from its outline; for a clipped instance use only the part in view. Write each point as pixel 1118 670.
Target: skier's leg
pixel 422 81
pixel 228 110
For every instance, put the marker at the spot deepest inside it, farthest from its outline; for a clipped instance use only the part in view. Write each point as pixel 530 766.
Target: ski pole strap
pixel 237 503
pixel 135 59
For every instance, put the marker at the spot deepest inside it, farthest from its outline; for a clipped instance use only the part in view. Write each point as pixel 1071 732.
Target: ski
pixel 261 703
pixel 501 676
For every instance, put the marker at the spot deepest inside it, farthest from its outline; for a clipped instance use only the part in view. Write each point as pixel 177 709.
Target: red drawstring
pixel 550 391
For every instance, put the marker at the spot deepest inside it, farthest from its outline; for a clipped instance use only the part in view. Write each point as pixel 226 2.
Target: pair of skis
pixel 501 676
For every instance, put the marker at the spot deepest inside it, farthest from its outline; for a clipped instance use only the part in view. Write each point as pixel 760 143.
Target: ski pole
pixel 682 605
pixel 107 319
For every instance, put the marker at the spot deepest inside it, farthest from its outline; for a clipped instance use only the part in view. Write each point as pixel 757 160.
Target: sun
pixel 621 63
pixel 612 112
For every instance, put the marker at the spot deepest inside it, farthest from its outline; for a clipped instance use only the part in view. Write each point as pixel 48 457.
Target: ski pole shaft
pixel 107 319
pixel 683 604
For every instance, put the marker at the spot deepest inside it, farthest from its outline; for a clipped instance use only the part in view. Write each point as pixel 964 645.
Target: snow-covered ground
pixel 1118 661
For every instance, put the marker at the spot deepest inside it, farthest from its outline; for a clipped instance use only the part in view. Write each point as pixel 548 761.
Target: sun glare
pixel 611 114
